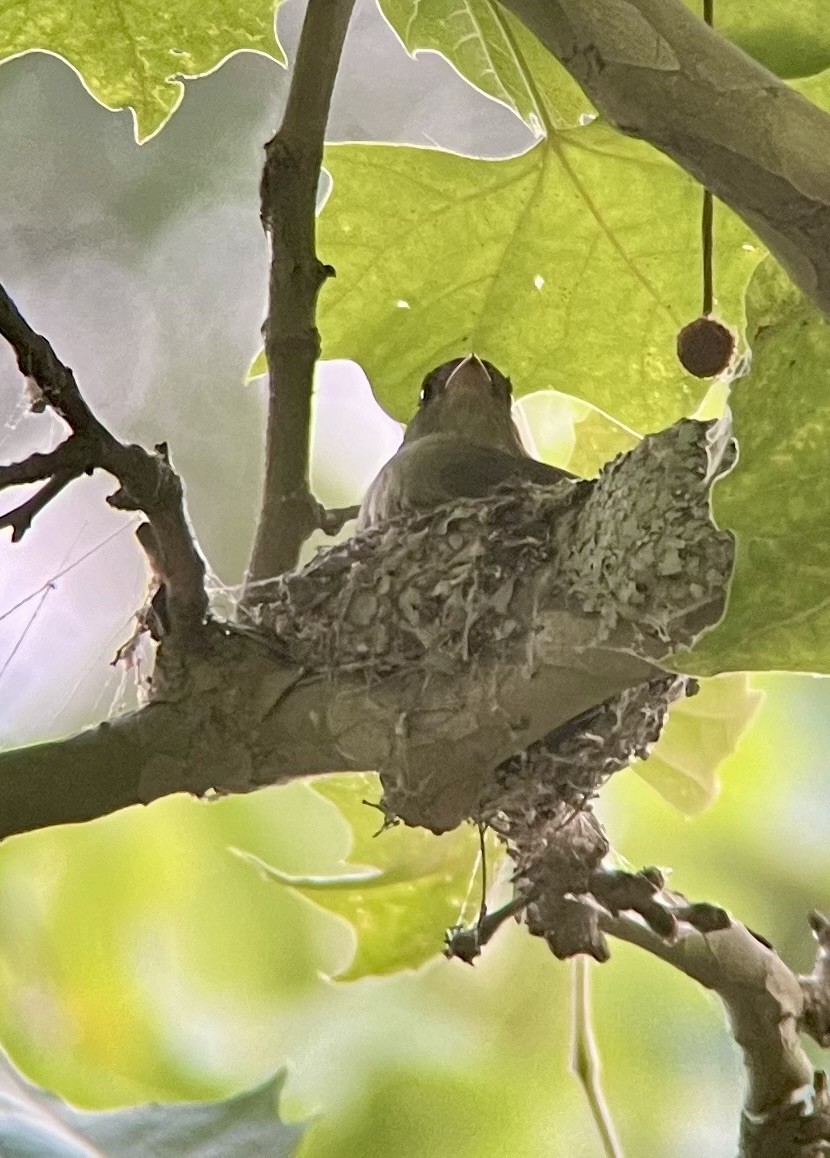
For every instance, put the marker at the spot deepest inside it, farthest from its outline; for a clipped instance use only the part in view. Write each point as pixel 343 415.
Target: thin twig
pixel 288 192
pixel 585 1061
pixel 708 212
pixel 467 941
pixel 20 518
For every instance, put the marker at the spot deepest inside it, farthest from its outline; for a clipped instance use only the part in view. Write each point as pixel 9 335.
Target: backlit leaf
pixel 134 54
pixel 701 732
pixel 791 39
pixel 777 500
pixel 571 266
pixel 418 884
pixel 493 51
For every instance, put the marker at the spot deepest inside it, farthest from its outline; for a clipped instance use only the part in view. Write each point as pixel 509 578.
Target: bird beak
pixel 471 374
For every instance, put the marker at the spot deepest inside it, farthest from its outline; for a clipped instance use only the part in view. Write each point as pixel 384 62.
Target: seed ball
pixel 704 347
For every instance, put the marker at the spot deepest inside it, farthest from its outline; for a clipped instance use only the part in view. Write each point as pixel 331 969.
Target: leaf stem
pixel 585 1060
pixel 707 217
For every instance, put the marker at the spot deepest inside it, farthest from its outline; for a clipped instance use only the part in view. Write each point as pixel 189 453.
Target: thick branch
pixel 235 717
pixel 292 343
pixel 147 481
pixel 657 72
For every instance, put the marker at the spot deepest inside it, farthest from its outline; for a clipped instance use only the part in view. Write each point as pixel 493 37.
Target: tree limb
pixel 147 481
pixel 656 71
pixel 288 193
pixel 786 1108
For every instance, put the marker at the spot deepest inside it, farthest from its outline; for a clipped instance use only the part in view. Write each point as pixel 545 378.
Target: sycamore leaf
pixel 701 732
pixel 571 434
pixel 777 500
pixel 133 54
pixel 418 887
pixel 34 1122
pixel 569 266
pixel 495 52
pixel 790 39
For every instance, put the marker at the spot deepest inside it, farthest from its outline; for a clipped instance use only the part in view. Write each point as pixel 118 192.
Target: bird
pixel 461 443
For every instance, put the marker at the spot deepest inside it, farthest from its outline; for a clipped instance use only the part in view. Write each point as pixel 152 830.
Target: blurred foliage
pixel 36 1123
pixel 701 732
pixel 419 886
pixel 139 960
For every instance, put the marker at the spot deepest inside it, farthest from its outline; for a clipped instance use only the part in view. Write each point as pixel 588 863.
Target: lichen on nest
pixel 435 588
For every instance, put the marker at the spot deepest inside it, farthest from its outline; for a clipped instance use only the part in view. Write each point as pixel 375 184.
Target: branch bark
pixel 288 193
pixel 147 481
pixel 657 72
pixel 786 1107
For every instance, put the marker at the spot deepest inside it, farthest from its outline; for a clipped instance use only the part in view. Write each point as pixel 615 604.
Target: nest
pixel 628 565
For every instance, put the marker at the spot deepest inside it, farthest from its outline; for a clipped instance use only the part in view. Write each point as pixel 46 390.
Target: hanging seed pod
pixel 705 347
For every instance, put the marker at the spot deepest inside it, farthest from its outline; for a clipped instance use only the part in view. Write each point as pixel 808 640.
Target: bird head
pixel 471 399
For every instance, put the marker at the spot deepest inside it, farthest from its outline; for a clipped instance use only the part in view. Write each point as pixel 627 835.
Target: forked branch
pixel 147 481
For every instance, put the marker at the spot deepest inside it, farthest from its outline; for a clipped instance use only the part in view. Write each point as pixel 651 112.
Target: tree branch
pixel 19 519
pixel 786 1109
pixel 147 481
pixel 292 343
pixel 656 71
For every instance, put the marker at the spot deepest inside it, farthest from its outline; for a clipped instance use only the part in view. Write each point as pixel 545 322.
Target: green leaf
pixel 566 432
pixel 790 39
pixel 571 266
pixel 34 1122
pixel 777 499
pixel 701 732
pixel 495 52
pixel 418 887
pixel 257 368
pixel 135 54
